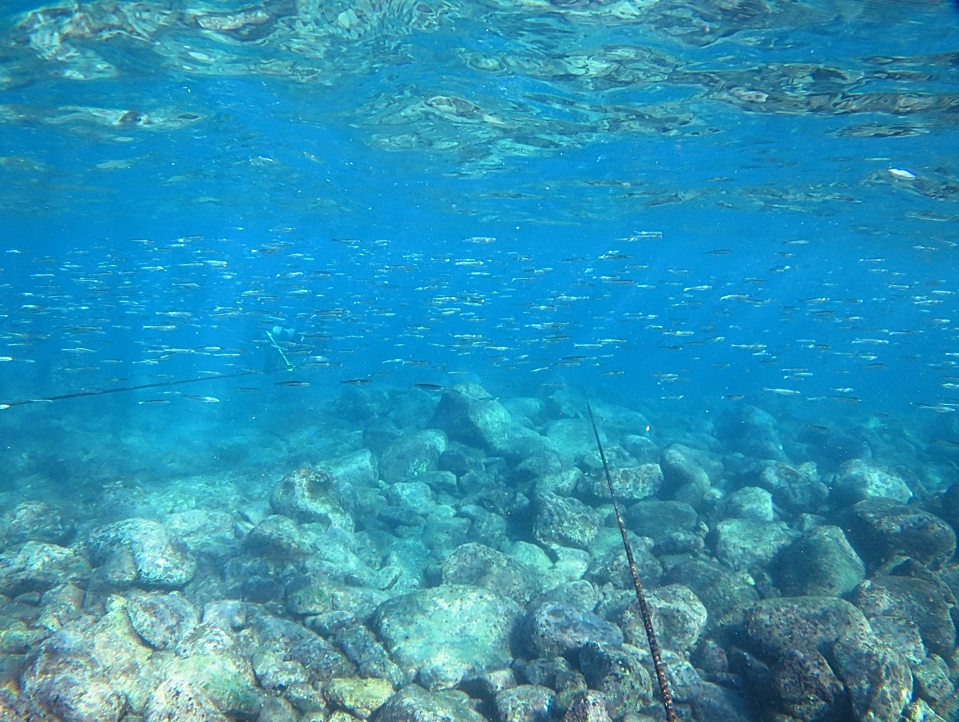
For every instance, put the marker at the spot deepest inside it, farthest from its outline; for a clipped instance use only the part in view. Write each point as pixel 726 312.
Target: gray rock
pixel 753 432
pixel 161 620
pixel 159 559
pixel 932 680
pixel 641 448
pixel 927 603
pixel 369 656
pixel 630 483
pixel 409 456
pixel 564 520
pixel 877 677
pixel 750 502
pixel 659 519
pixel 820 563
pixel 804 623
pixel 881 529
pixel 745 544
pixel 553 630
pixel 314 496
pixel 798 490
pixel 619 674
pixel 447 633
pixel 561 482
pixel 525 703
pixel 276 537
pixel 613 567
pixel 37 521
pixel 414 704
pixel 859 479
pixel 571 438
pixel 358 469
pixel 469 414
pixel 414 495
pixel 177 700
pixel 678 618
pixel 479 566
pixel 39 567
pixel 722 591
pixel 684 473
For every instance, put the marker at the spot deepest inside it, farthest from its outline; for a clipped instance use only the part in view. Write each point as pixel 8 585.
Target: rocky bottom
pixel 460 561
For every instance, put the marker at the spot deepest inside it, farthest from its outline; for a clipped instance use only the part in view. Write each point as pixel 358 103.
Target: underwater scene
pixel 479 360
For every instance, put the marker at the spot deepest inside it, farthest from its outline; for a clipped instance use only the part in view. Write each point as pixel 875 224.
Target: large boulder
pixel 141 552
pixel 468 413
pixel 820 563
pixel 859 479
pixel 449 633
pixel 881 528
pixel 314 496
pixel 410 456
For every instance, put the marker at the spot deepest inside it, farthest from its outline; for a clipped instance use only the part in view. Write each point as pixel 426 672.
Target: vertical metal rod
pixel 640 596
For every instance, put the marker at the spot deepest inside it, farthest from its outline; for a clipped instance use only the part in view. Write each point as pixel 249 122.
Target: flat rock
pixel 447 633
pixel 415 704
pixel 745 544
pixel 160 560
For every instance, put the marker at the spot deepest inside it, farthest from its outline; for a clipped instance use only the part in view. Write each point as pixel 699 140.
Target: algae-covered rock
pixel 314 496
pixel 659 519
pixel 410 456
pixel 554 629
pixel 878 679
pixel 798 490
pixel 880 529
pixel 525 703
pixel 630 483
pixel 160 560
pixel 447 633
pixel 859 479
pixel 745 544
pixel 178 700
pixel 619 674
pixel 926 602
pixel 820 563
pixel 750 502
pixel 415 704
pixel 39 567
pixel 678 618
pixel 469 414
pixel 564 520
pixel 161 620
pixel 359 697
pixel 480 566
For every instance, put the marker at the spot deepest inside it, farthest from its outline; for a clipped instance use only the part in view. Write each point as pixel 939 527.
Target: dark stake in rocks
pixel 640 596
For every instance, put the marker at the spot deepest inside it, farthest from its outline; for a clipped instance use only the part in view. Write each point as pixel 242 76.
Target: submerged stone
pixel 859 479
pixel 159 559
pixel 820 563
pixel 881 529
pixel 468 413
pixel 313 496
pixel 447 633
